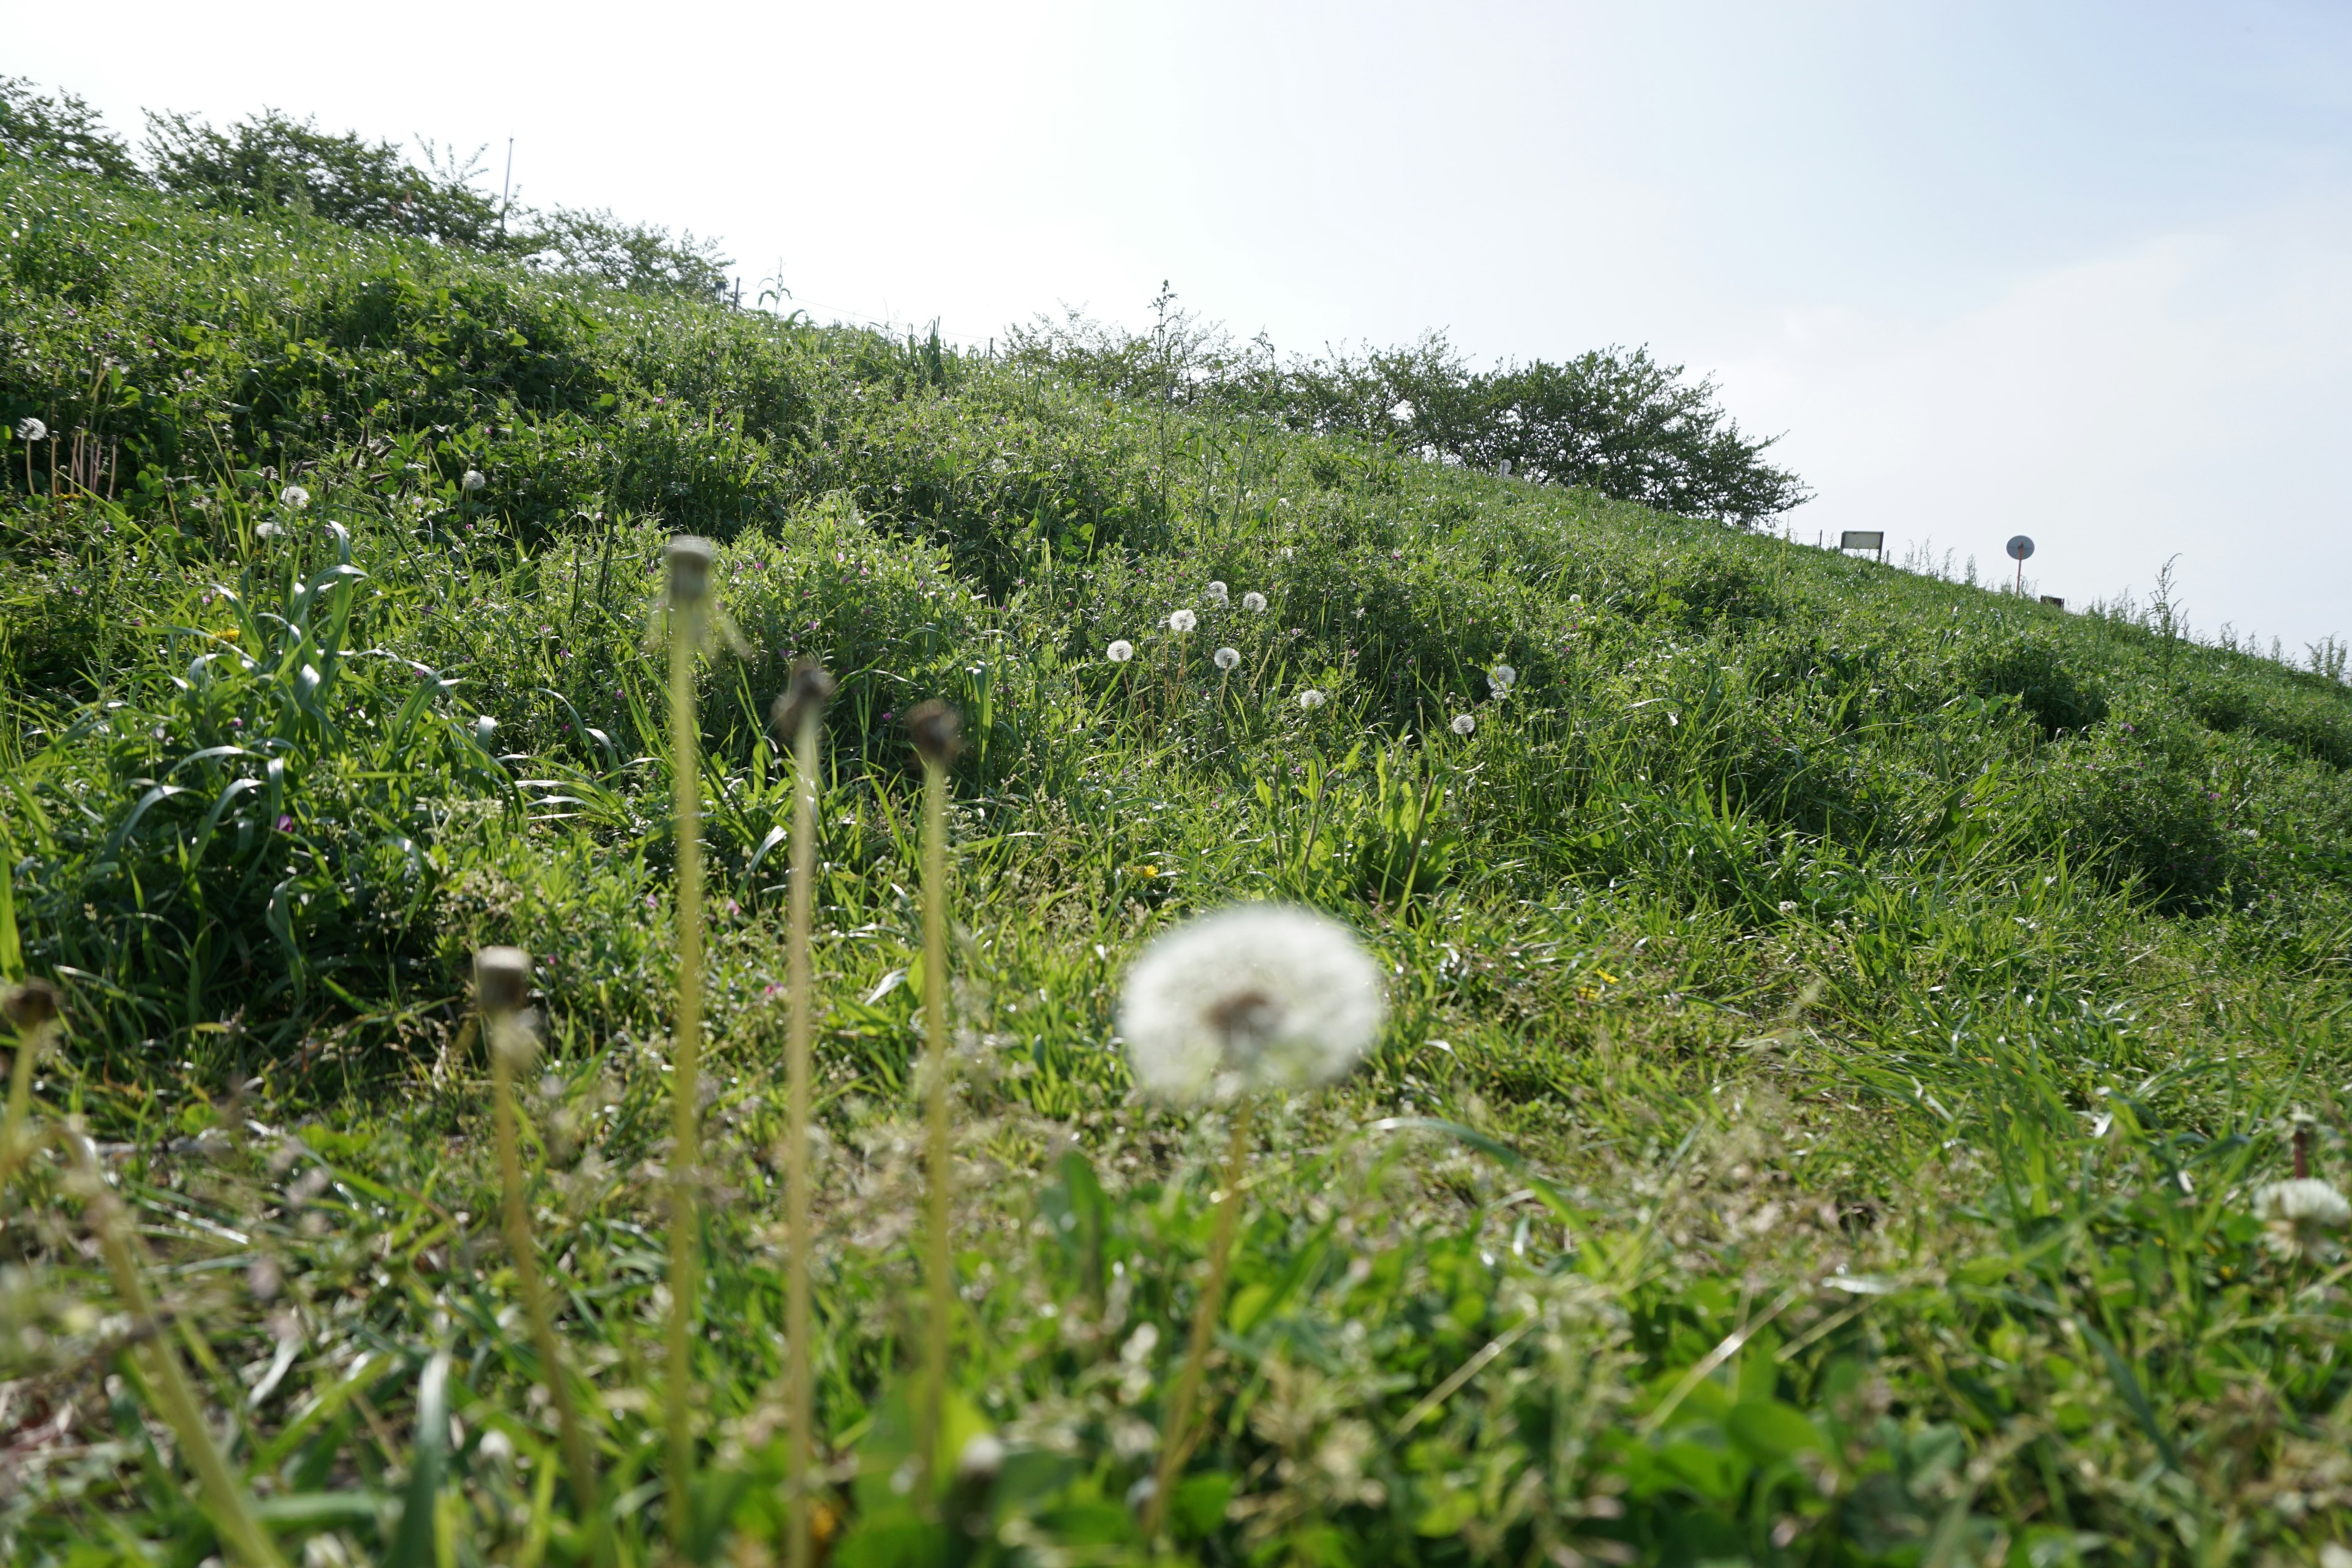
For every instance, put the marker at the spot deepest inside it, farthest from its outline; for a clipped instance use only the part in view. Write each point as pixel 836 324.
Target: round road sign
pixel 2019 548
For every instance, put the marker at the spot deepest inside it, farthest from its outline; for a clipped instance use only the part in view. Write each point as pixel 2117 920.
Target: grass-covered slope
pixel 1904 987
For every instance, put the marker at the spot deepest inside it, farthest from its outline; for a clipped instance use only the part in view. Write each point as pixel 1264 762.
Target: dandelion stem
pixel 686 1063
pixel 800 1437
pixel 32 1040
pixel 939 1162
pixel 233 1512
pixel 509 1042
pixel 1176 1437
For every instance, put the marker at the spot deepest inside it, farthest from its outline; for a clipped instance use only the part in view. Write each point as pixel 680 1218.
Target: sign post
pixel 1858 539
pixel 2019 548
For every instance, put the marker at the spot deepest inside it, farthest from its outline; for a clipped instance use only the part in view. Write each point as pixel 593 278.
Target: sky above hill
pixel 2082 271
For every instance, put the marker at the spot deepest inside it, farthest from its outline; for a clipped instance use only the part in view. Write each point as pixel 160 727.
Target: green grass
pixel 1839 1017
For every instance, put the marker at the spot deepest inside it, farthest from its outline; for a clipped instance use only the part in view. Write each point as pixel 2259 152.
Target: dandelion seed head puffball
pixel 473 480
pixel 1310 699
pixel 31 429
pixel 2301 1216
pixel 1119 652
pixel 1500 679
pixel 1463 724
pixel 1253 603
pixel 1253 997
pixel 295 496
pixel 1182 620
pixel 1227 658
pixel 1217 593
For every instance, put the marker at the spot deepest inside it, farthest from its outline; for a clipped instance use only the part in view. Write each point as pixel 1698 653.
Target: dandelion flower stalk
pixel 232 1509
pixel 32 1008
pixel 502 986
pixel 796 715
pixel 690 591
pixel 938 734
pixel 31 432
pixel 1176 1437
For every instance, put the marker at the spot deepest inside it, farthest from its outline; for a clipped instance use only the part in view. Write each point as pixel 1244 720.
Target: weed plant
pixel 1840 1021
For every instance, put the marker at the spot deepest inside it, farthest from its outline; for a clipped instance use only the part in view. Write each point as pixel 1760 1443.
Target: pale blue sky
pixel 2082 270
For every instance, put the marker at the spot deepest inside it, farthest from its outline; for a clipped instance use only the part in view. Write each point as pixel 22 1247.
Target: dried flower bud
pixel 32 1005
pixel 938 731
pixel 803 699
pixel 690 556
pixel 502 979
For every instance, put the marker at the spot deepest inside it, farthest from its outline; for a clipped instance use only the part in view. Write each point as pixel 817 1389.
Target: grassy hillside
pixel 1840 1020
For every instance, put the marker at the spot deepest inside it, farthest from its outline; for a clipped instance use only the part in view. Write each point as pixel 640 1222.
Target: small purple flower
pixel 285 822
pixel 888 715
pixel 652 902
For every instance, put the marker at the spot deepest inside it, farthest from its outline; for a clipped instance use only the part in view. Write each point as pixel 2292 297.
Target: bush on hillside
pixel 1614 420
pixel 63 132
pixel 272 163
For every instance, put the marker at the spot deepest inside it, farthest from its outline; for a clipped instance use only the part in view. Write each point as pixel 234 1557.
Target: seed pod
pixel 810 690
pixel 32 1005
pixel 938 731
pixel 690 556
pixel 502 979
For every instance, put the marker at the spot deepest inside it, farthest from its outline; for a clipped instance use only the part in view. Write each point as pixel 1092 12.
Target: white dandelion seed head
pixel 267 529
pixel 31 429
pixel 1310 699
pixel 2303 1215
pixel 1463 724
pixel 1253 997
pixel 1182 620
pixel 1253 603
pixel 1501 678
pixel 1227 658
pixel 295 496
pixel 1217 593
pixel 1119 652
pixel 473 480
pixel 1787 906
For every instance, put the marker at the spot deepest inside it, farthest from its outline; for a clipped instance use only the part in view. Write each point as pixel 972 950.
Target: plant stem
pixel 686 1064
pixel 506 1043
pixel 233 1512
pixel 800 1438
pixel 938 1164
pixel 1176 1437
pixel 13 1143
